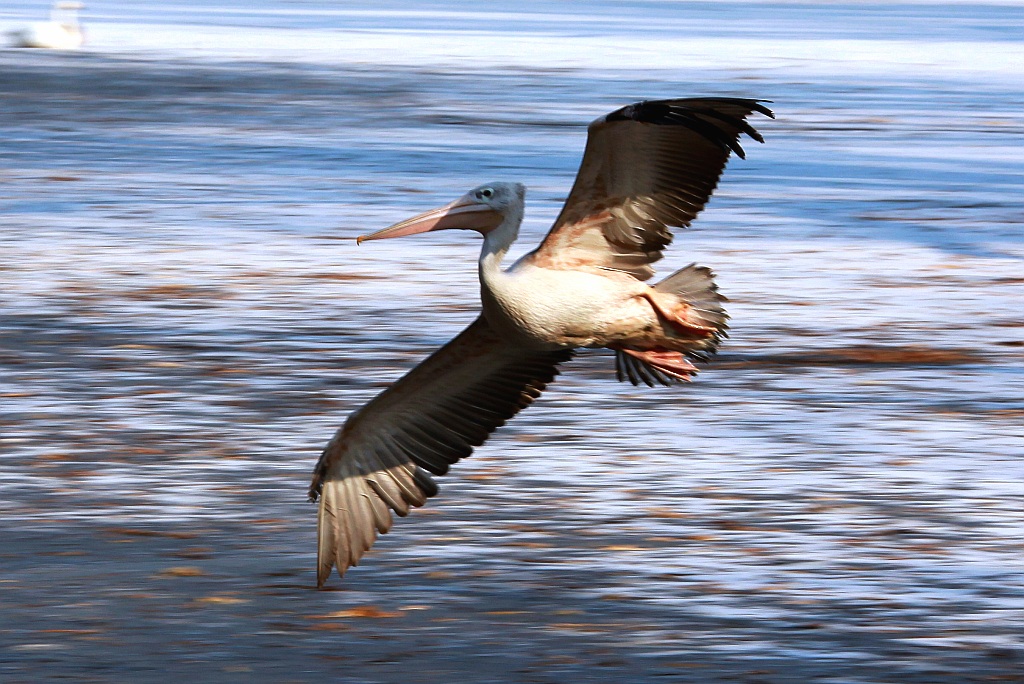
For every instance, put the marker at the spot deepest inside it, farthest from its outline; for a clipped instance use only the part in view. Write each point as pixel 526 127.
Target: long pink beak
pixel 462 213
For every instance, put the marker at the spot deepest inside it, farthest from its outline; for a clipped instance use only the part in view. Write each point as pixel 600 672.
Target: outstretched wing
pixel 647 167
pixel 429 419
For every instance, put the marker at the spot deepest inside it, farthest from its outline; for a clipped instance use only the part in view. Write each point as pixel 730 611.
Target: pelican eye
pixel 486 193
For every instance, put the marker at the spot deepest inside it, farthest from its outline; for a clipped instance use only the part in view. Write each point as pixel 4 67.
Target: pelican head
pixel 482 209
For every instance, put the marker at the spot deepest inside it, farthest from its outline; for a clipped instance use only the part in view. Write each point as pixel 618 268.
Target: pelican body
pixel 62 32
pixel 647 167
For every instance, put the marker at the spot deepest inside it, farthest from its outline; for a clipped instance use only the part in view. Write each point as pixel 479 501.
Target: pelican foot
pixel 676 321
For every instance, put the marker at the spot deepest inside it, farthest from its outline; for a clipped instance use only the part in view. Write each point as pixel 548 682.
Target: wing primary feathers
pixel 659 111
pixel 746 103
pixel 733 121
pixel 389 494
pixel 425 482
pixel 422 455
pixel 381 515
pixel 715 134
pixel 341 526
pixel 434 437
pixel 708 130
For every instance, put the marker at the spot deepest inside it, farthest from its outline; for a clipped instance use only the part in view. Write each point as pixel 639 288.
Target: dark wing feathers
pixel 694 112
pixel 647 167
pixel 426 421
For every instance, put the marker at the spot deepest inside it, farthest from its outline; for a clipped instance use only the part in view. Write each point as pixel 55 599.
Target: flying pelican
pixel 62 32
pixel 647 167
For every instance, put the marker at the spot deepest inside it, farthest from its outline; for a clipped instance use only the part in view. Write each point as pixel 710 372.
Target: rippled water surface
pixel 839 497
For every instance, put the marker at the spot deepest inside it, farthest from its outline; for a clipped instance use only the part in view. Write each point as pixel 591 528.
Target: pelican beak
pixel 463 213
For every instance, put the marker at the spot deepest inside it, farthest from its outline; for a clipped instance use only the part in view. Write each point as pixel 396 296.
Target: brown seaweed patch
pixel 360 612
pixel 219 599
pixel 135 532
pixel 177 292
pixel 859 355
pixel 182 571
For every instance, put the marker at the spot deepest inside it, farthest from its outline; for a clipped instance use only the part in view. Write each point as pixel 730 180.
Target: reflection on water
pixel 185 322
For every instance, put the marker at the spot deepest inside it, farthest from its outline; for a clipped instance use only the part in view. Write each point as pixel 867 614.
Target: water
pixel 839 497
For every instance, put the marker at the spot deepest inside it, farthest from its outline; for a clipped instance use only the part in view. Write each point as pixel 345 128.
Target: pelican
pixel 62 32
pixel 647 167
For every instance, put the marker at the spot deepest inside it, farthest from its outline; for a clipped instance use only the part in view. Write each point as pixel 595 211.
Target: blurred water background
pixel 184 322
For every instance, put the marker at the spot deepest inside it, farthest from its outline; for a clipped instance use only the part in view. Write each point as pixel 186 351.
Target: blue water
pixel 184 321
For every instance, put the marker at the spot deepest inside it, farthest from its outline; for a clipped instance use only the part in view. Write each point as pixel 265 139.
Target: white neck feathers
pixel 496 245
